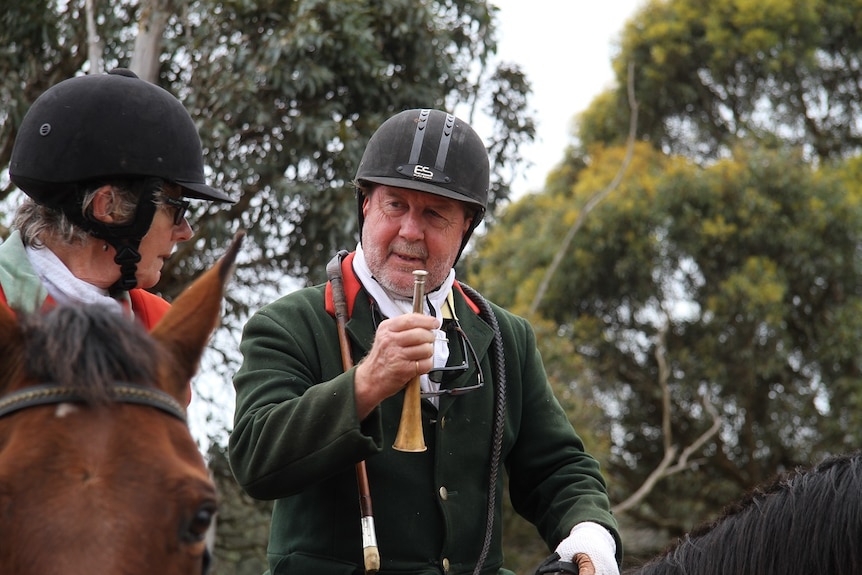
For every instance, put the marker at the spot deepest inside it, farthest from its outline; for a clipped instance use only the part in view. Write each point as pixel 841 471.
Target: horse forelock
pixel 119 488
pixel 87 348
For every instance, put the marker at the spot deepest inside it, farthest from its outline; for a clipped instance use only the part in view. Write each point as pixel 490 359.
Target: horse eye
pixel 200 523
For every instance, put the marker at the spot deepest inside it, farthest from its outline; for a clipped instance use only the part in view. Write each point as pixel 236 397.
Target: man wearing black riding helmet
pixel 310 427
pixel 105 161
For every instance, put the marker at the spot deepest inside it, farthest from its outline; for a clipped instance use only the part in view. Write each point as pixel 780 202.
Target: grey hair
pixel 40 225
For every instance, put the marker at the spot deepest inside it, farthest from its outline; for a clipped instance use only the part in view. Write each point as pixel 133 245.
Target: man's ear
pixel 103 205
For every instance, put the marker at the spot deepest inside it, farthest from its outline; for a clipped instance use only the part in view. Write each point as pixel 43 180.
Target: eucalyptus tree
pixel 711 304
pixel 709 74
pixel 726 296
pixel 285 94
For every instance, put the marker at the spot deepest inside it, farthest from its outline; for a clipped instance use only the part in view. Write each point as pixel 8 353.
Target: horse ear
pixel 185 329
pixel 11 348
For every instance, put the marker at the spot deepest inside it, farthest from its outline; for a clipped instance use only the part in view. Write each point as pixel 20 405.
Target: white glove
pixel 592 540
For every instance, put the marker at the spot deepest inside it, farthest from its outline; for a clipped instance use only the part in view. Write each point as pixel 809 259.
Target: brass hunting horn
pixel 410 437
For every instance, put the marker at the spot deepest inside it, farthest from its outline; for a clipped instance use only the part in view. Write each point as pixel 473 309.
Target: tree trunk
pixel 151 27
pixel 94 42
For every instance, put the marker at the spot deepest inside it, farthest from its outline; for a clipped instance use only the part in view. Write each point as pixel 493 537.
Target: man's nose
pixel 412 225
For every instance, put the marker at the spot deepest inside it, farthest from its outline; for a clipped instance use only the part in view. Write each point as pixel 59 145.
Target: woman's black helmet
pixel 428 151
pixel 108 128
pixel 102 127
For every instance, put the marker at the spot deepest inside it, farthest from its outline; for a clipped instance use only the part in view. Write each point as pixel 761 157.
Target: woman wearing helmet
pixel 105 161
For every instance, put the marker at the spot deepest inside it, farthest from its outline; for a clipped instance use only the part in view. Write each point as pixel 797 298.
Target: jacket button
pixel 444 493
pixel 446 564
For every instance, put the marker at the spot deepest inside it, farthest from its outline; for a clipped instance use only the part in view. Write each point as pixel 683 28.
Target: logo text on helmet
pixel 423 172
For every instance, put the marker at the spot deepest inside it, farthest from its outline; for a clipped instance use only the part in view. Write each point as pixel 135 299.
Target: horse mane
pixel 806 521
pixel 88 348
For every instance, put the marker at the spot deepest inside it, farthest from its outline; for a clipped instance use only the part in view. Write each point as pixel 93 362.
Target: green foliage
pixel 751 264
pixel 288 94
pixel 32 58
pixel 730 251
pixel 708 74
pixel 285 95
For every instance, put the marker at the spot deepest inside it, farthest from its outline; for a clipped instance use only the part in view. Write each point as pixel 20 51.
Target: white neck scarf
pixel 392 306
pixel 63 285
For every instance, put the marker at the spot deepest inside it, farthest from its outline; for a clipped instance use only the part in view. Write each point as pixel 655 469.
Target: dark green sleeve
pixel 295 422
pixel 554 481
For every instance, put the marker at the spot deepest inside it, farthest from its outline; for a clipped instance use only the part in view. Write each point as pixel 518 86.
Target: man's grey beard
pixel 393 291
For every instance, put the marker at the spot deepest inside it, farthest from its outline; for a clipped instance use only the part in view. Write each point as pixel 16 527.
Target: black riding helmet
pixel 428 151
pixel 106 128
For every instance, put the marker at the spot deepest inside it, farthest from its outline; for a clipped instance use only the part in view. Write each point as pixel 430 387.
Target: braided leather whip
pixel 487 314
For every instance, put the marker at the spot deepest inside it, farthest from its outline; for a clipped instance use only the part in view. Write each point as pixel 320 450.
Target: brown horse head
pixel 98 470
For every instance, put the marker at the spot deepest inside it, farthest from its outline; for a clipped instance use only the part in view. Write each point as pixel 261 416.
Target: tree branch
pixel 151 27
pixel 595 199
pixel 94 42
pixel 667 467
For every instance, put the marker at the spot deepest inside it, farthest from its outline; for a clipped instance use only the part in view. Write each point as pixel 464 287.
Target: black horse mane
pixel 807 521
pixel 88 348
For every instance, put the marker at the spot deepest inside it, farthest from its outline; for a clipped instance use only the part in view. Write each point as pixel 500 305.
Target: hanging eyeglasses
pixel 450 372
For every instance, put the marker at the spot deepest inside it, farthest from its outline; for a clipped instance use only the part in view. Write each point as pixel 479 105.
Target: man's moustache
pixel 411 251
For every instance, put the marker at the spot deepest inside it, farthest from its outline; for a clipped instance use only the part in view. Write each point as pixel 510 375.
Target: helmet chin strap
pixel 125 238
pixel 127 258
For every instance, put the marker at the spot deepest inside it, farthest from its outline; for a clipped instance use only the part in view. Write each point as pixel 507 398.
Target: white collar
pixel 392 307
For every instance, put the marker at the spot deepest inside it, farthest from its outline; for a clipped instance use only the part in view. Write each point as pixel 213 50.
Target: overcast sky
pixel 565 48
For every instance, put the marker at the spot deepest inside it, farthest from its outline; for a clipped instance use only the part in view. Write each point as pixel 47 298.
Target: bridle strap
pixel 51 393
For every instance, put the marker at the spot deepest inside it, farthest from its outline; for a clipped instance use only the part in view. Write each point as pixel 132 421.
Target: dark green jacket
pixel 297 439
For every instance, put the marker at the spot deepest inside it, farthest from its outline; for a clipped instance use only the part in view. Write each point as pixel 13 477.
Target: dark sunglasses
pixel 180 208
pixel 450 372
